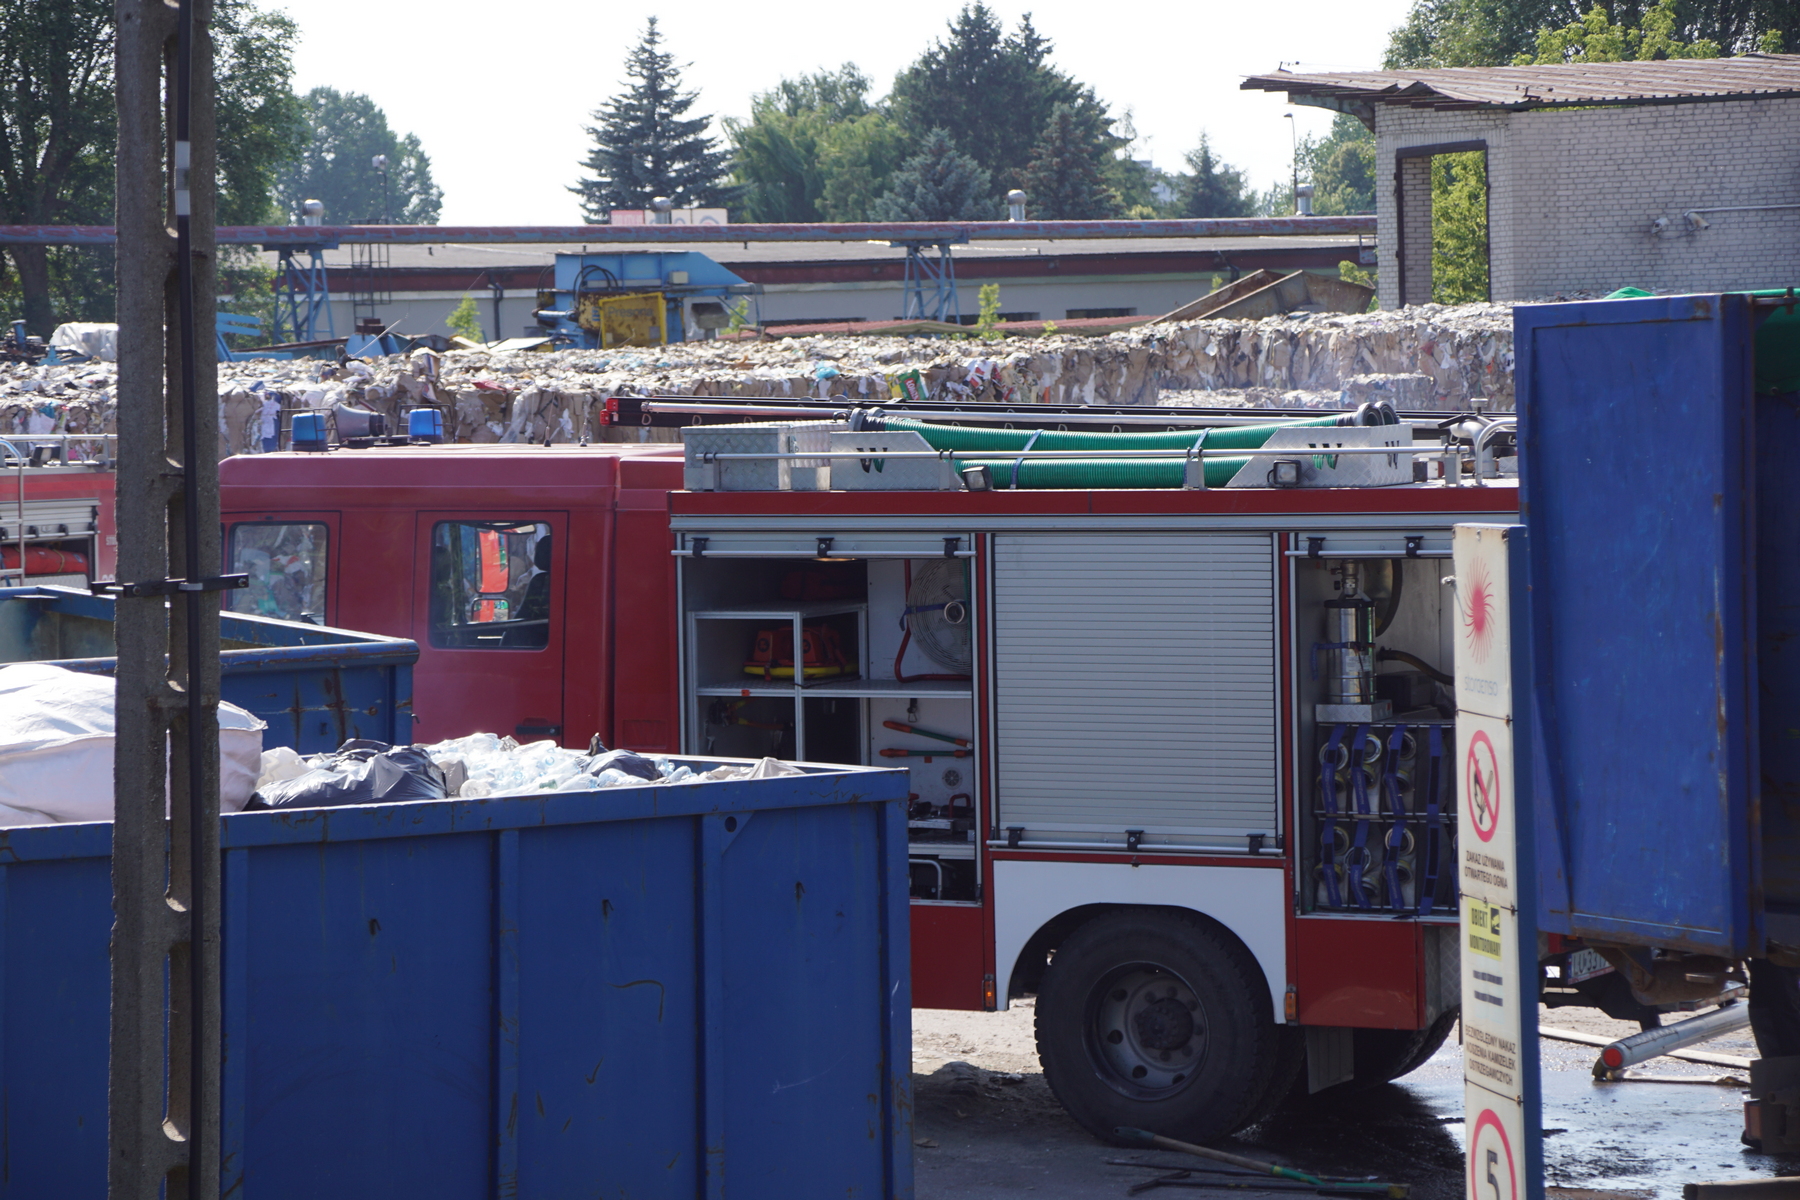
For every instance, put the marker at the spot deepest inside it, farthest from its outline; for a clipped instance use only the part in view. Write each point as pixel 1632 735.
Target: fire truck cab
pixel 535 579
pixel 1180 749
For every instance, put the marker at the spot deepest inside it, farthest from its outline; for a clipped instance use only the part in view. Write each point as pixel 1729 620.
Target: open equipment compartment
pixel 1373 704
pixel 845 655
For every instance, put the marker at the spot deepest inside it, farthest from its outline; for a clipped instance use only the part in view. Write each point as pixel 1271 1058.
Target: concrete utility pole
pixel 163 1129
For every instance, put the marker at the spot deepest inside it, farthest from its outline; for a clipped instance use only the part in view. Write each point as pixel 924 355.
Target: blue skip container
pixel 316 687
pixel 674 990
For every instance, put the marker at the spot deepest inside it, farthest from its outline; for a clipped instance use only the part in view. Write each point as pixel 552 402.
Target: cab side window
pixel 490 585
pixel 286 566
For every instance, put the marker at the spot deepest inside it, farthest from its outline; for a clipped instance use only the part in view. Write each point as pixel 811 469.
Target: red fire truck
pixel 56 516
pixel 1174 704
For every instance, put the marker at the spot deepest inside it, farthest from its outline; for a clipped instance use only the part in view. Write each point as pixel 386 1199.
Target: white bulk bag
pixel 56 747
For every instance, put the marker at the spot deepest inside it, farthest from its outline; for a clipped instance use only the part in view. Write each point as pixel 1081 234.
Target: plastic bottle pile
pixel 481 764
pixel 1430 356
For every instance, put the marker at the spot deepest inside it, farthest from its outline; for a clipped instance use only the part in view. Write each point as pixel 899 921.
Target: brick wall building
pixel 1682 175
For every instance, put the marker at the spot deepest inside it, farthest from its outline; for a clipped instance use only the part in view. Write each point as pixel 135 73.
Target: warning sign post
pixel 1499 931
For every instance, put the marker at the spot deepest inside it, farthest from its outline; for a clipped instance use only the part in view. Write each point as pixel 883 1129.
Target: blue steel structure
pixel 681 275
pixel 930 293
pixel 302 297
pixel 1659 483
pixel 689 990
pixel 315 686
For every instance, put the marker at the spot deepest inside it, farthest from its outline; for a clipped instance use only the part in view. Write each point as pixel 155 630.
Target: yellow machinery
pixel 630 319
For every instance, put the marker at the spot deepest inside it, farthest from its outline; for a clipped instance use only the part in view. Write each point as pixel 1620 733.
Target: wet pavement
pixel 990 1127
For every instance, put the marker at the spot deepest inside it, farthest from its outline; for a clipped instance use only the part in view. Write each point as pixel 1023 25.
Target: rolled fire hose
pixel 1101 471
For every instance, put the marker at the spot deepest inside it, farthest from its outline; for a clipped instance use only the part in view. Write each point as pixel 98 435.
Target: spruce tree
pixel 992 91
pixel 1066 179
pixel 646 146
pixel 938 184
pixel 1215 189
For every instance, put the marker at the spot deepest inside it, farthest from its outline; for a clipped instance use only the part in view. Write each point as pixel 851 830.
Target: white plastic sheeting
pixel 91 338
pixel 56 747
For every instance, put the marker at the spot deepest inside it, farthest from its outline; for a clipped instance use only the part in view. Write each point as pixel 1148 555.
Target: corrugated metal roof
pixel 1669 81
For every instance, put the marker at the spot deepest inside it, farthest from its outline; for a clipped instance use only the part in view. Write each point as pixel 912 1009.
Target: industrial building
pixel 413 288
pixel 1675 175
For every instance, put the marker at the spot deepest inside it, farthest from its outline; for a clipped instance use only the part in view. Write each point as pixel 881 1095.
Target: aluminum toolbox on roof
pixel 1659 492
pixel 316 687
pixel 675 990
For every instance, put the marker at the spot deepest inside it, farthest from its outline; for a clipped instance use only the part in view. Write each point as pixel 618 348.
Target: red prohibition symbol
pixel 1485 1161
pixel 1481 786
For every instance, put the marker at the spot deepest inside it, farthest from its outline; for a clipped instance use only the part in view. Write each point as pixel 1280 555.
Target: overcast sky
pixel 500 95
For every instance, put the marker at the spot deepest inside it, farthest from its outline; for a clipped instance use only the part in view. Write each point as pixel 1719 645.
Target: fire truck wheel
pixel 1159 1021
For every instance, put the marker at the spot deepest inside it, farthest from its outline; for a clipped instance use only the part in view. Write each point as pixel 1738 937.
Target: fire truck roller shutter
pixel 1135 687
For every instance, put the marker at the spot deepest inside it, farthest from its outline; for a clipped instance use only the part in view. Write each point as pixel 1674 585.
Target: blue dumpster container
pixel 669 990
pixel 315 686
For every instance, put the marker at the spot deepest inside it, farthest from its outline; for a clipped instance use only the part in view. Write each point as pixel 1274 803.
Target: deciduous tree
pixel 345 132
pixel 57 135
pixel 1485 33
pixel 781 152
pixel 1341 166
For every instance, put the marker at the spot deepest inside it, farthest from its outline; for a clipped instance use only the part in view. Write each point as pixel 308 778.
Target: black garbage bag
pixel 361 772
pixel 635 765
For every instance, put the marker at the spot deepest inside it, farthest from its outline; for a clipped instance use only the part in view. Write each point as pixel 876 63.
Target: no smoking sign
pixel 1481 785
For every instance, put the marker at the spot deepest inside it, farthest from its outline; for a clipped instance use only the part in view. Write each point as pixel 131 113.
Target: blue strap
pixel 1428 855
pixel 1396 836
pixel 1359 846
pixel 1328 832
pixel 1029 443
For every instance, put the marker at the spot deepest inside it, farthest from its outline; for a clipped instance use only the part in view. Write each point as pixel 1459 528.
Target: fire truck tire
pixel 1160 1021
pixel 1384 1055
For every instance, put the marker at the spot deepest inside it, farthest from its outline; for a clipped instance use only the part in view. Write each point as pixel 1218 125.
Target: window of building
pixel 490 585
pixel 1082 314
pixel 286 566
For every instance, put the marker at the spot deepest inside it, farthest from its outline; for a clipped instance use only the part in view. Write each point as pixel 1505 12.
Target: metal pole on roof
pixel 1294 157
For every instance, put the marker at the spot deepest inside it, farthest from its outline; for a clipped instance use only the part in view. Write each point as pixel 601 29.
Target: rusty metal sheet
pixel 1289 293
pixel 1550 86
pixel 1214 300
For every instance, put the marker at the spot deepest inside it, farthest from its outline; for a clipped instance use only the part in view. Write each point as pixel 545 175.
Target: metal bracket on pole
pixel 169 587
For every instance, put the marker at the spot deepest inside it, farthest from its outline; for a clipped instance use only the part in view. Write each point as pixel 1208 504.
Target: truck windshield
pixel 286 565
pixel 490 585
